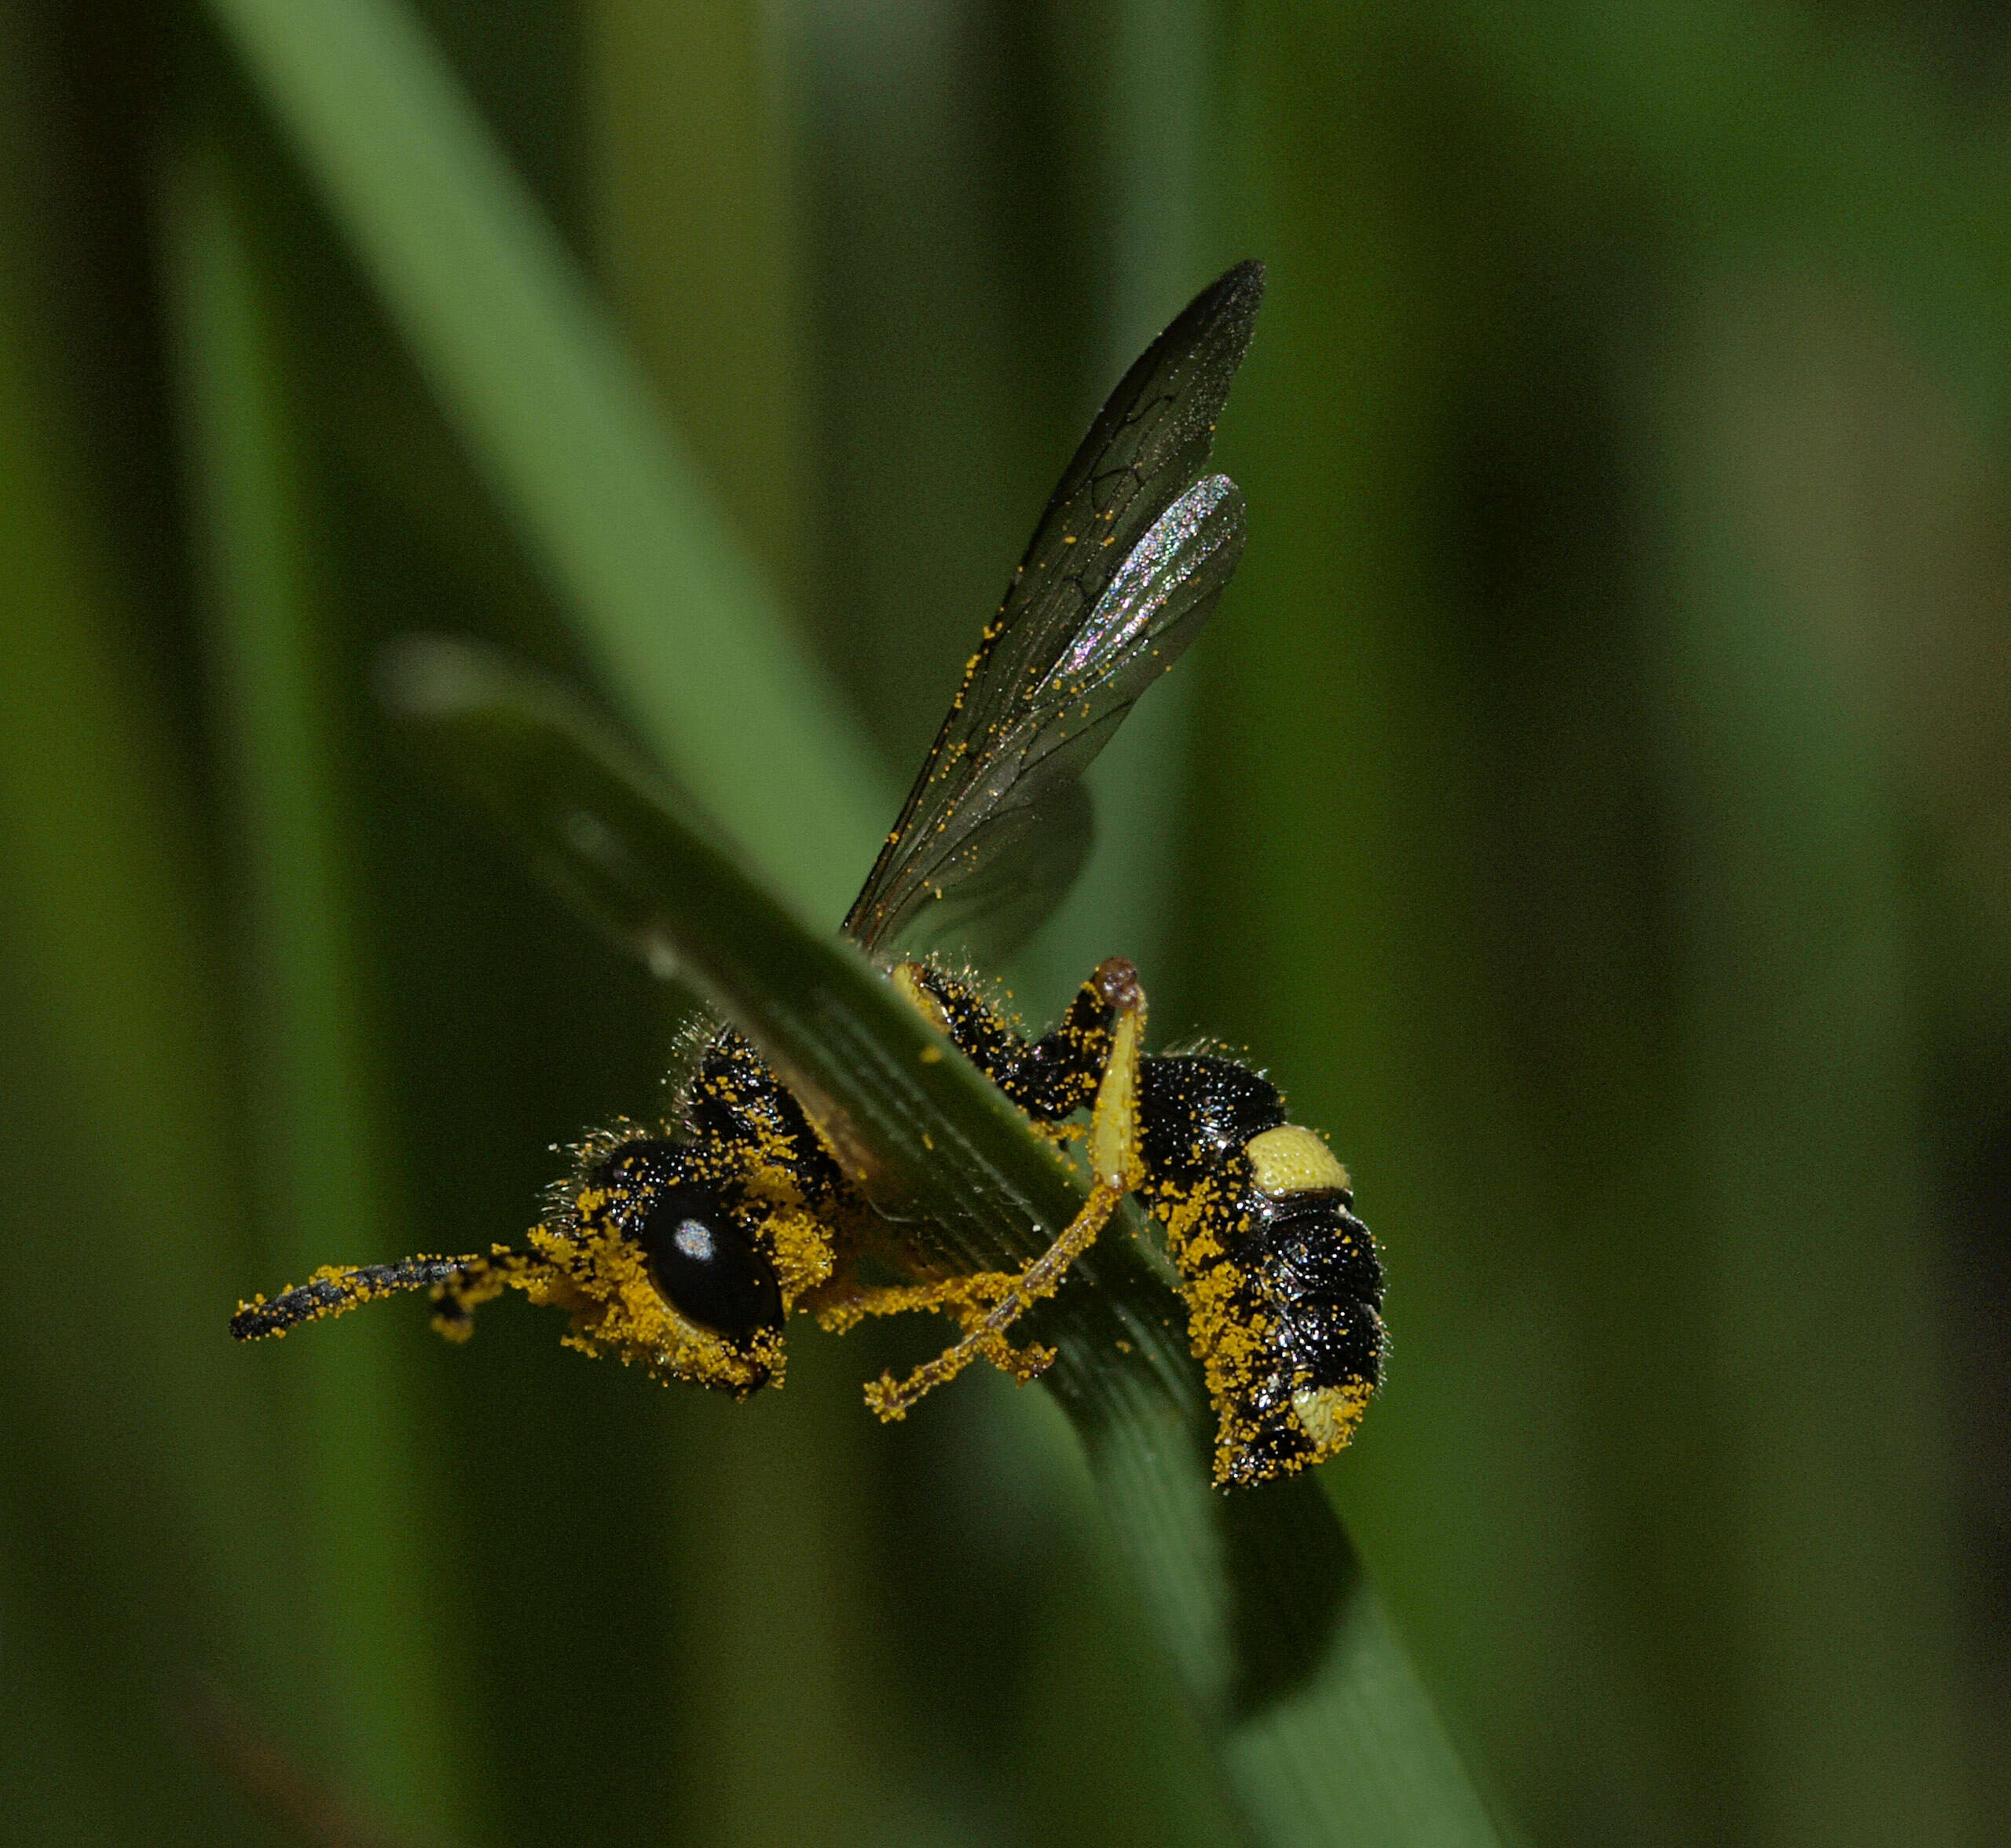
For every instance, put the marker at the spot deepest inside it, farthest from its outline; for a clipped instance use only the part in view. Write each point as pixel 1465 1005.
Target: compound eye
pixel 709 1270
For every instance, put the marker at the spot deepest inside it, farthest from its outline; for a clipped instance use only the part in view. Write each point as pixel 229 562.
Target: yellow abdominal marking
pixel 1293 1160
pixel 1328 1415
pixel 1233 1345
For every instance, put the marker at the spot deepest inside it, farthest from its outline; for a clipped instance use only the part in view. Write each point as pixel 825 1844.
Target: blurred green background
pixel 1592 804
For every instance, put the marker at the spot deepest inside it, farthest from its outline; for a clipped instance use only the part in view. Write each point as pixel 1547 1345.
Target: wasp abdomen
pixel 1284 1288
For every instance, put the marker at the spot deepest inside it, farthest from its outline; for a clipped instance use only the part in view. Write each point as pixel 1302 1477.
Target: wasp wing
pixel 1128 560
pixel 996 860
pixel 1010 881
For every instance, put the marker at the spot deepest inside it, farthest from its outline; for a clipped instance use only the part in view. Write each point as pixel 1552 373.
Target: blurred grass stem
pixel 557 419
pixel 373 1601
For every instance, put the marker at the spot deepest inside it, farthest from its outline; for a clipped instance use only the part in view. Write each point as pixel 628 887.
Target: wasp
pixel 686 1246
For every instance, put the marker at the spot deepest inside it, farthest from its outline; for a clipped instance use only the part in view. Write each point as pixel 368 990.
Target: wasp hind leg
pixel 990 1302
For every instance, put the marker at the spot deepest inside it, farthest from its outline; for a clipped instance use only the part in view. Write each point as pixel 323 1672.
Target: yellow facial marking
pixel 1292 1160
pixel 601 1279
pixel 802 1254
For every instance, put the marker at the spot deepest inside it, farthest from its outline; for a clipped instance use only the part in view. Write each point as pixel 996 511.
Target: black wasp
pixel 686 1248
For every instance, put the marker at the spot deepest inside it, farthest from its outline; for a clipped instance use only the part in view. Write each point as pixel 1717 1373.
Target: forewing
pixel 1142 455
pixel 1015 832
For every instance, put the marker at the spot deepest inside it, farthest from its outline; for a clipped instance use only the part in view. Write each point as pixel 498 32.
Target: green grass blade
pixel 558 420
pixel 1796 1027
pixel 139 1542
pixel 318 1108
pixel 1323 1732
pixel 591 820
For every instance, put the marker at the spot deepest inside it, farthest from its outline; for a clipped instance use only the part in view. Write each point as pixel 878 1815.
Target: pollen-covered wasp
pixel 686 1246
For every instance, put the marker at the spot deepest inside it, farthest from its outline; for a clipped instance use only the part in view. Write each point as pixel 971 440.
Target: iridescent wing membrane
pixel 1133 551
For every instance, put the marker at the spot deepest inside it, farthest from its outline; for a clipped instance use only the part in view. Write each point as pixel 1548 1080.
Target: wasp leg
pixel 1050 1078
pixel 1117 1158
pixel 842 1305
pixel 1117 1166
pixel 889 1399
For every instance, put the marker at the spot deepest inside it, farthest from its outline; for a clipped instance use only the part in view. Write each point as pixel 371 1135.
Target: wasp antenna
pixel 331 1290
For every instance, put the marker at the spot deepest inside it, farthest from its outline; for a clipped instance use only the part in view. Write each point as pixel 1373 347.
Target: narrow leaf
pixel 318 1111
pixel 1323 1731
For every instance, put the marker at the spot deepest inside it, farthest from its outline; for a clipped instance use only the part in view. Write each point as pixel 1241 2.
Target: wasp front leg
pixel 1092 1058
pixel 842 1304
